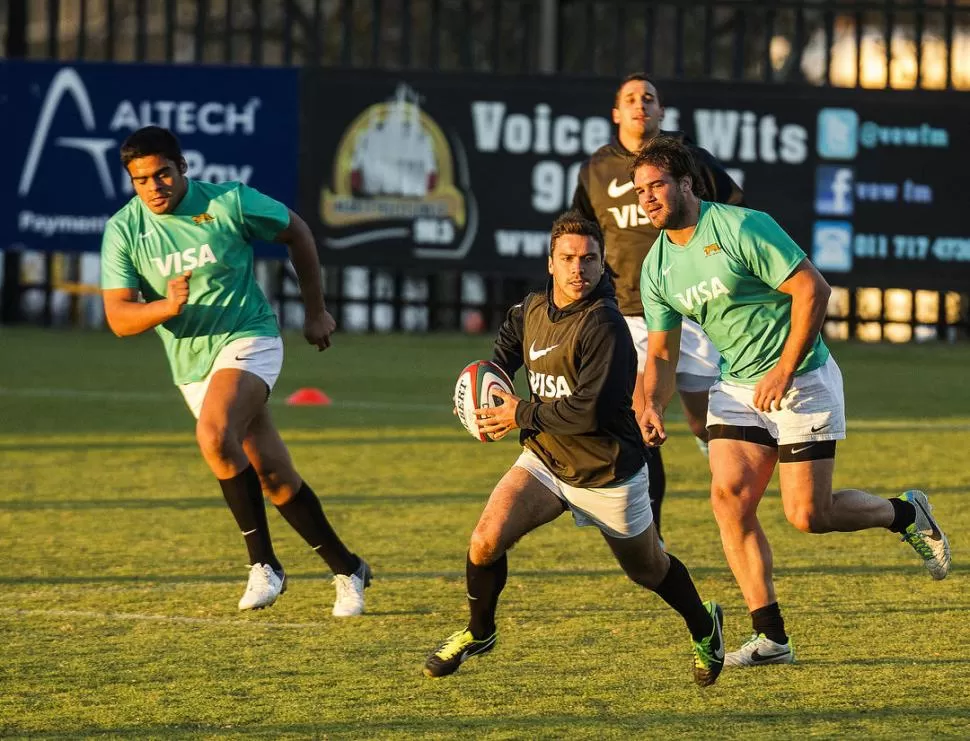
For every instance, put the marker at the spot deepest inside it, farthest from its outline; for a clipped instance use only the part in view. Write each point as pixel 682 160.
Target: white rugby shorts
pixel 262 356
pixel 620 511
pixel 698 356
pixel 811 411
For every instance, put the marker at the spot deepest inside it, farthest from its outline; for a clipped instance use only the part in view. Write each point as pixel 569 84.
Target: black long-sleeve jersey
pixel 582 368
pixel 605 194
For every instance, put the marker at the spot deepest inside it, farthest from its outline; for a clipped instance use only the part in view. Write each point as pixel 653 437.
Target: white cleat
pixel 350 591
pixel 264 586
pixel 758 650
pixel 926 537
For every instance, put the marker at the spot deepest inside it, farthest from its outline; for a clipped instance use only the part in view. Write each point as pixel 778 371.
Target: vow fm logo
pixel 65 82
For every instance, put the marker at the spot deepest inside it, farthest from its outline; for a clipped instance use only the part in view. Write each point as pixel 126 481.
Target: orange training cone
pixel 308 397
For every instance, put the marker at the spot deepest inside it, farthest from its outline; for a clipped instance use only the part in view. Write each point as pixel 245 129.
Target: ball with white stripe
pixel 475 389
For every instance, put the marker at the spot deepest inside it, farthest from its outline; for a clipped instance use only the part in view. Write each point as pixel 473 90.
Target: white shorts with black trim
pixel 620 511
pixel 811 411
pixel 262 356
pixel 699 364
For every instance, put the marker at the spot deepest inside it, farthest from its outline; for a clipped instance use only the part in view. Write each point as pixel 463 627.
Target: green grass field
pixel 122 567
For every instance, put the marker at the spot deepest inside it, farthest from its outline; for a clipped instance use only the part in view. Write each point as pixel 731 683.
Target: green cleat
pixel 709 652
pixel 457 647
pixel 926 537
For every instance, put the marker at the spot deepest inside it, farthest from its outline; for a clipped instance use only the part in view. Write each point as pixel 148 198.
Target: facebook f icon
pixel 833 190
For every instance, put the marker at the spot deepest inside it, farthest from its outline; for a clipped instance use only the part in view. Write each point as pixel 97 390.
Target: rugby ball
pixel 475 389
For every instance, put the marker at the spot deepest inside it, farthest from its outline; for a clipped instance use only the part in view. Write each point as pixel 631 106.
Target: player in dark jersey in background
pixel 605 194
pixel 582 449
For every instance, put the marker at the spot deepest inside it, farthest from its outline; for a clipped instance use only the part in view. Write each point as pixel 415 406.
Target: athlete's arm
pixel 602 388
pixel 809 300
pixel 127 316
pixel 318 325
pixel 581 201
pixel 659 382
pixel 507 352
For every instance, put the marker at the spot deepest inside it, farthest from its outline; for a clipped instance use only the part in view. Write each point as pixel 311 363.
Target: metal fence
pixel 866 44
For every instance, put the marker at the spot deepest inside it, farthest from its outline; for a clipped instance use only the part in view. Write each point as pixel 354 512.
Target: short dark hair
pixel 148 141
pixel 674 157
pixel 639 77
pixel 573 222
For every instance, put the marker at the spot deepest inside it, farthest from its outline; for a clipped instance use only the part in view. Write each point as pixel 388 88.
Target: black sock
pixel 677 590
pixel 305 515
pixel 245 499
pixel 484 584
pixel 768 620
pixel 658 484
pixel 904 514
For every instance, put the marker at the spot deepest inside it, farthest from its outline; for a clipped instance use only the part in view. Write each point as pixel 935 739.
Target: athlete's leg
pixel 741 470
pixel 519 503
pixel 646 563
pixel 812 506
pixel 695 410
pixel 232 400
pixel 292 496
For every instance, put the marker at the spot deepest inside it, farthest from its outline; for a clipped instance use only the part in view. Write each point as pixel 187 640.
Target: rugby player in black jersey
pixel 582 450
pixel 605 194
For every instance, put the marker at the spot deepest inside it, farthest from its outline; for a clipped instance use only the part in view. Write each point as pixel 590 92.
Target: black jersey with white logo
pixel 581 369
pixel 605 194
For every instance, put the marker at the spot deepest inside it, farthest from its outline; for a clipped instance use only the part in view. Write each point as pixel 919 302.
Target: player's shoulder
pixel 609 155
pixel 232 188
pixel 124 222
pixel 737 216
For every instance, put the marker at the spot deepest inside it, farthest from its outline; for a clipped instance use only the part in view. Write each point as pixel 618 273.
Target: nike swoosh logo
pixel 536 354
pixel 796 451
pixel 147 234
pixel 615 190
pixel 666 270
pixel 936 534
pixel 758 656
pixel 246 358
pixel 820 427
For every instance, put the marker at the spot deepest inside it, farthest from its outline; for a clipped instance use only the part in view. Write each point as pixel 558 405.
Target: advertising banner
pixel 63 125
pixel 468 172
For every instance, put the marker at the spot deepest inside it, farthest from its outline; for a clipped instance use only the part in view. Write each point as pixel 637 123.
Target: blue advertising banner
pixel 63 124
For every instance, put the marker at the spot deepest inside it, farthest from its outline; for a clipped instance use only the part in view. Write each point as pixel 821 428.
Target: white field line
pixel 173 396
pixel 138 617
pixel 169 397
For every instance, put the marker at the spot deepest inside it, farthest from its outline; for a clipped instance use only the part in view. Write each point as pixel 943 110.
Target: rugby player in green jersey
pixel 185 247
pixel 779 397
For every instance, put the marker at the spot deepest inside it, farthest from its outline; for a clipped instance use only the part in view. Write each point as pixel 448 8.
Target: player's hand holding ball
pixel 177 293
pixel 317 329
pixel 485 402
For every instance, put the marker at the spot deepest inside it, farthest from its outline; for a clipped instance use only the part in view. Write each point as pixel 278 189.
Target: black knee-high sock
pixel 658 484
pixel 484 584
pixel 768 620
pixel 677 590
pixel 305 515
pixel 245 499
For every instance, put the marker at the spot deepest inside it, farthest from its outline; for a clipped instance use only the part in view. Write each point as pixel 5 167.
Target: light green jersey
pixel 725 279
pixel 209 233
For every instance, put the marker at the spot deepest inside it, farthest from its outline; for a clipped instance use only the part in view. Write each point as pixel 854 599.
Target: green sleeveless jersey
pixel 725 279
pixel 209 233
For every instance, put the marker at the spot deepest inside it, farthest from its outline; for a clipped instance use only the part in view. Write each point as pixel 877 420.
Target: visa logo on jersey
pixel 178 262
pixel 702 293
pixel 548 386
